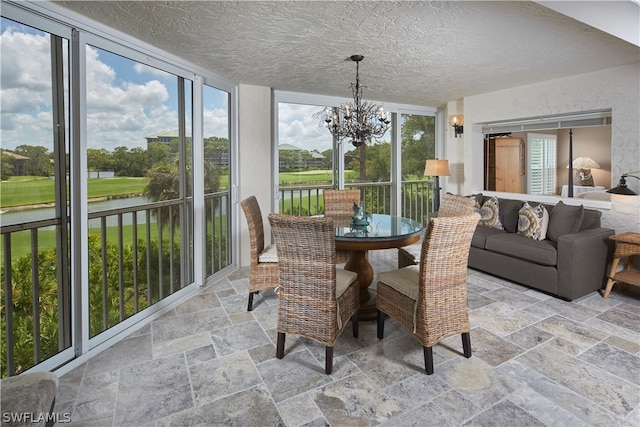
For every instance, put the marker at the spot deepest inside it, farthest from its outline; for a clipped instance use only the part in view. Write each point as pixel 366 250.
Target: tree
pixel 418 143
pixel 99 159
pixel 39 163
pixel 157 152
pixel 164 184
pixel 6 167
pixel 132 162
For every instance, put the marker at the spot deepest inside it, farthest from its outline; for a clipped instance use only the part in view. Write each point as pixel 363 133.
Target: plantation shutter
pixel 542 164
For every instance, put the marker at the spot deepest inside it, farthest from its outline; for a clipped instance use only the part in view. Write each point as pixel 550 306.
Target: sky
pixel 126 100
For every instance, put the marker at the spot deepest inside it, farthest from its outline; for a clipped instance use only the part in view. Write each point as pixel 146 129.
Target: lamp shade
pixel 437 168
pixel 622 188
pixel 585 163
pixel 457 120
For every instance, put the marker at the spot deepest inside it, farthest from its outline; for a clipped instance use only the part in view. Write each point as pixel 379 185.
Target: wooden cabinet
pixel 505 165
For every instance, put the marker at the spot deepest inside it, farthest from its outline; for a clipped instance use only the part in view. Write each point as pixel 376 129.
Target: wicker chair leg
pixel 466 344
pixel 250 305
pixel 280 346
pixel 380 325
pixel 428 360
pixel 355 325
pixel 328 364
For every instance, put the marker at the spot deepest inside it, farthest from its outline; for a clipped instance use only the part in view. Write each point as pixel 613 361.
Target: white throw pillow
pixel 533 221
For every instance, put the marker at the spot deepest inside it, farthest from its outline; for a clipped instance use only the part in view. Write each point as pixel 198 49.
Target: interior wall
pixel 254 148
pixel 616 88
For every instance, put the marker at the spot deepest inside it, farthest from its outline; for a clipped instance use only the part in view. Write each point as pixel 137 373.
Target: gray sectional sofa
pixel 569 263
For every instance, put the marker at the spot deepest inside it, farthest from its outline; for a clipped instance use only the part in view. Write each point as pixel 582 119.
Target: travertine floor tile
pixel 537 360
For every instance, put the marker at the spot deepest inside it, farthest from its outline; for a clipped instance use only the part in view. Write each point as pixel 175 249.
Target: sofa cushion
pixel 564 219
pixel 509 209
pixel 542 252
pixel 480 236
pixel 490 214
pixel 533 221
pixel 591 219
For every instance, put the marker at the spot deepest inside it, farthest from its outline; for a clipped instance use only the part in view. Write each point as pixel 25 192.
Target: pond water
pixel 38 214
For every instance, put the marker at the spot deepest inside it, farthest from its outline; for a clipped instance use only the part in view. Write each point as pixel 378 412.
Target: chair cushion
pixel 269 254
pixel 404 280
pixel 343 279
pixel 414 251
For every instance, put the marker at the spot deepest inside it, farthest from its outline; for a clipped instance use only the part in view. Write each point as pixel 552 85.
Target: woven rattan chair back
pixel 339 205
pixel 439 307
pixel 340 202
pixel 308 303
pixel 453 205
pixel 263 275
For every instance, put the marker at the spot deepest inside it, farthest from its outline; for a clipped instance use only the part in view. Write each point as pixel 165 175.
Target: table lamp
pixel 436 168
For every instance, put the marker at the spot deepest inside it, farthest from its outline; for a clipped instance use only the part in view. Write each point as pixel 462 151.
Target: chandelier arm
pixel 360 121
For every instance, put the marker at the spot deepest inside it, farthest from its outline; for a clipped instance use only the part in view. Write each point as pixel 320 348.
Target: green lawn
pixel 19 191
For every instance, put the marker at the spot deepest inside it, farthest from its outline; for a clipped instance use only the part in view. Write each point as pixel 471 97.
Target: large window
pixel 139 150
pixel 35 293
pixel 388 170
pixel 305 160
pixel 101 193
pixel 217 175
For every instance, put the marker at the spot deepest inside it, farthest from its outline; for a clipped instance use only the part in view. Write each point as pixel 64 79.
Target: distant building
pixel 316 159
pixel 166 137
pixel 19 162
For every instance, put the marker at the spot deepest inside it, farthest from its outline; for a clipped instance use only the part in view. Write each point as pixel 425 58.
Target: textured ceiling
pixel 421 53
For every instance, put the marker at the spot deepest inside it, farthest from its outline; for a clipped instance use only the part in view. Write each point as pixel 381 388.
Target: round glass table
pixel 383 232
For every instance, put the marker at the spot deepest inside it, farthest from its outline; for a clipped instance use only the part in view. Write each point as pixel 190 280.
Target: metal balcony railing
pixel 133 263
pixel 416 199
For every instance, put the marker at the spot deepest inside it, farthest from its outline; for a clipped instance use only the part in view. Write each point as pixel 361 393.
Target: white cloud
pixel 25 89
pixel 215 123
pixel 296 126
pixel 120 111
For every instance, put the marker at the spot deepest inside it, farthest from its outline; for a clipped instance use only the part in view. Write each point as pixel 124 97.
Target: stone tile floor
pixel 537 360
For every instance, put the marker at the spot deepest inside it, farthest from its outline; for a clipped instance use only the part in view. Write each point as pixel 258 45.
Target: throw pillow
pixel 533 221
pixel 489 214
pixel 564 219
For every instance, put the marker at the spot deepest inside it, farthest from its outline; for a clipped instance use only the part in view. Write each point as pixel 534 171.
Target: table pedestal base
pixel 358 263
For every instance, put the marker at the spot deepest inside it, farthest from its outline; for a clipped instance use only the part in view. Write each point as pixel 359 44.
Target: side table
pixel 627 245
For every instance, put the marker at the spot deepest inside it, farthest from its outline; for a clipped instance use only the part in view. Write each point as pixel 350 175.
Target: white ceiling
pixel 421 53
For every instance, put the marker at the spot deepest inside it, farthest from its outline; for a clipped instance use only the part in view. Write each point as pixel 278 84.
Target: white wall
pixel 254 147
pixel 617 89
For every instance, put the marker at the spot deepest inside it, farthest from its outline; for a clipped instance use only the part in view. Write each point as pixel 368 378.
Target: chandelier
pixel 356 122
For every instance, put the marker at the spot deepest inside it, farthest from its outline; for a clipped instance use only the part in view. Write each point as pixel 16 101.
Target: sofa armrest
pixel 582 261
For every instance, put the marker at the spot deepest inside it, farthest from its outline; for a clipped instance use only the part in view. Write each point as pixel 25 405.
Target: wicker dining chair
pixel 451 205
pixel 264 260
pixel 430 300
pixel 339 204
pixel 316 298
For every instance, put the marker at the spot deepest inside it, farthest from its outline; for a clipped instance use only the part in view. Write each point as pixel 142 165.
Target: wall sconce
pixel 456 121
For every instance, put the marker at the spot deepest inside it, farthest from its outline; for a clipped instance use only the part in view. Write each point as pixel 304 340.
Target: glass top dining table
pixel 383 232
